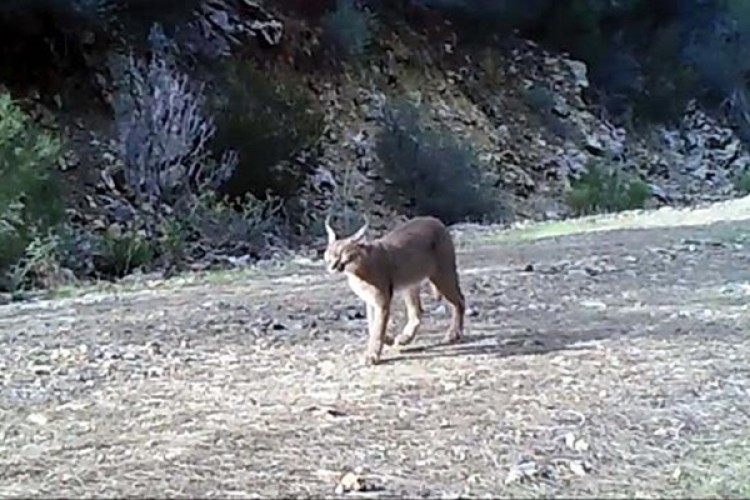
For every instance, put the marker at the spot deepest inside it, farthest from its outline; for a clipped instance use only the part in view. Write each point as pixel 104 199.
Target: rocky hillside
pixel 529 113
pixel 306 120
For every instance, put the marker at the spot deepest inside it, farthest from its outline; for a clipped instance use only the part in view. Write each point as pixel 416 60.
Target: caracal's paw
pixel 371 359
pixel 403 341
pixel 452 336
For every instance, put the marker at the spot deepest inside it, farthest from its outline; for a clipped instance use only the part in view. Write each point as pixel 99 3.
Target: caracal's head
pixel 346 254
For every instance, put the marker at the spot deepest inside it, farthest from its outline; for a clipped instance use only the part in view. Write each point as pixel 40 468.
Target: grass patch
pixel 606 189
pixel 737 210
pixel 131 284
pixel 719 471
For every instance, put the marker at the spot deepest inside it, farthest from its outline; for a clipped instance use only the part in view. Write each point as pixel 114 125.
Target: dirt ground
pixel 603 363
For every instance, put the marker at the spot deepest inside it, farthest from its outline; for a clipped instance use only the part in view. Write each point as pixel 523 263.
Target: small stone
pixel 37 419
pixel 42 369
pixel 577 468
pixel 351 481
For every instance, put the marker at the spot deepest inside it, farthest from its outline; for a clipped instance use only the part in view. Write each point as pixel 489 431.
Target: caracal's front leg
pixel 378 324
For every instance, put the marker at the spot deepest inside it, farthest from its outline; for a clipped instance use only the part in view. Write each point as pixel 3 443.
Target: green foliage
pixel 30 200
pixel 231 227
pixel 668 82
pixel 38 268
pixel 267 123
pixel 741 182
pixel 205 224
pixel 118 253
pixel 606 189
pixel 163 129
pixel 430 169
pixel 717 52
pixel 174 243
pixel 348 29
pixel 480 20
pixel 74 15
pixel 541 100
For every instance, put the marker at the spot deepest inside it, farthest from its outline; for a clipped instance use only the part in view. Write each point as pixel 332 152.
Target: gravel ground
pixel 599 364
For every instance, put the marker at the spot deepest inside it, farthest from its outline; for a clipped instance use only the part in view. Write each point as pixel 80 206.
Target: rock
pixel 68 161
pixel 579 71
pixel 37 419
pixel 595 145
pixel 350 481
pixel 659 193
pixel 561 109
pixel 577 467
pixel 571 164
pixel 236 20
pixel 322 180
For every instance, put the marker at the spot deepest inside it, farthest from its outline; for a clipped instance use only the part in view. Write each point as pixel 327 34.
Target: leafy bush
pixel 164 132
pixel 483 18
pixel 348 29
pixel 741 181
pixel 602 189
pixel 233 229
pixel 717 48
pixel 40 266
pixel 174 243
pixel 30 200
pixel 430 169
pixel 267 123
pixel 117 254
pixel 717 51
pixel 541 100
pixel 76 249
pixel 209 224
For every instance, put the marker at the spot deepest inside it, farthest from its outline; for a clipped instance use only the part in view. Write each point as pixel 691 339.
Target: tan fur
pixel 420 249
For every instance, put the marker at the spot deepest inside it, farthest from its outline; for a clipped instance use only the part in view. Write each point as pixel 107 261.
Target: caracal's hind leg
pixel 447 283
pixel 413 316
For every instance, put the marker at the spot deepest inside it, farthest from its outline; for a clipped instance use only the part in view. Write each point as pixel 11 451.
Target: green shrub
pixel 118 253
pixel 603 189
pixel 348 29
pixel 30 200
pixel 539 98
pixel 266 123
pixel 541 101
pixel 430 169
pixel 174 244
pixel 231 228
pixel 741 181
pixel 39 267
pixel 163 129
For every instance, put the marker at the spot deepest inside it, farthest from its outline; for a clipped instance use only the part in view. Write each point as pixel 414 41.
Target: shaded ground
pixel 617 364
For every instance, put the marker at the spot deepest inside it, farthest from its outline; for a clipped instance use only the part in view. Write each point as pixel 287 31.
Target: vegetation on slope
pixel 209 118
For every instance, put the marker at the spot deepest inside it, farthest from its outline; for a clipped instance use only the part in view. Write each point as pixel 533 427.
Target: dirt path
pixel 618 365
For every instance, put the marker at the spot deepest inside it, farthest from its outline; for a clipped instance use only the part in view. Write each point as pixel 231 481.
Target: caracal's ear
pixel 329 230
pixel 361 232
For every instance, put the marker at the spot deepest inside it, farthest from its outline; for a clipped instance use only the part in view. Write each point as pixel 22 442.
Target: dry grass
pixel 617 367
